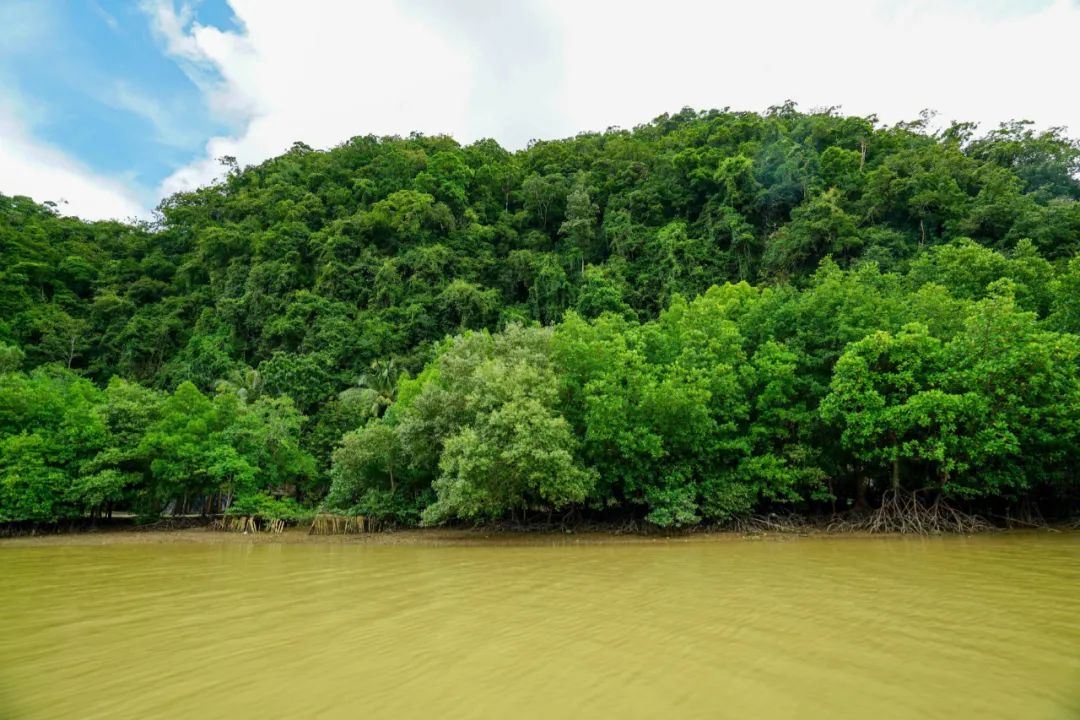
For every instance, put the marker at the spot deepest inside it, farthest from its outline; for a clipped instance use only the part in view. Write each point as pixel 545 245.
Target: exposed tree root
pixel 32 529
pixel 1036 522
pixel 905 513
pixel 1025 515
pixel 526 527
pixel 787 523
pixel 172 523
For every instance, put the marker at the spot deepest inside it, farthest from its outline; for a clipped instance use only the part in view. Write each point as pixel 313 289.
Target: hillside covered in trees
pixel 712 314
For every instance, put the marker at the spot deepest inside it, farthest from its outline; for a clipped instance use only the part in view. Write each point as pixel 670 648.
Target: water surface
pixel 987 627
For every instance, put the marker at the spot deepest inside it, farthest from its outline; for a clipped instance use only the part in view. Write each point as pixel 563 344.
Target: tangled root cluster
pixel 173 523
pixel 906 514
pixel 569 524
pixel 787 523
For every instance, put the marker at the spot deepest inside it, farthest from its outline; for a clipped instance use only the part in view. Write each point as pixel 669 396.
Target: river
pixel 983 627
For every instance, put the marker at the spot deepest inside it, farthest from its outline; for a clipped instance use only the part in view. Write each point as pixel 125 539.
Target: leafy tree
pixel 542 195
pixel 518 456
pixel 49 432
pixel 579 228
pixel 11 358
pixel 872 397
pixel 188 452
pixel 1025 378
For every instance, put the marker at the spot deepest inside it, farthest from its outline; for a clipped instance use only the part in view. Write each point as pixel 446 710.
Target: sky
pixel 106 106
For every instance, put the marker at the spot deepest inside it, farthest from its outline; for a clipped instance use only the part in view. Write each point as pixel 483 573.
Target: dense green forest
pixel 713 314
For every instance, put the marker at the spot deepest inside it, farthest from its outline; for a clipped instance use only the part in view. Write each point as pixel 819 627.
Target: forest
pixel 713 315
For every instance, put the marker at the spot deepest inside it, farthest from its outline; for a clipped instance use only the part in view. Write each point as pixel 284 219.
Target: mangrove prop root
pixel 326 524
pixel 1036 522
pixel 169 524
pixel 787 523
pixel 905 513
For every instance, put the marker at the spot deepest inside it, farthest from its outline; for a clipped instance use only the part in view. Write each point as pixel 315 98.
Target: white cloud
pixel 169 24
pixel 515 59
pixel 868 56
pixel 44 173
pixel 321 75
pixel 323 71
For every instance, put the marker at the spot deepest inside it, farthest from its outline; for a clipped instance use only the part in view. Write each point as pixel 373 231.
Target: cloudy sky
pixel 111 104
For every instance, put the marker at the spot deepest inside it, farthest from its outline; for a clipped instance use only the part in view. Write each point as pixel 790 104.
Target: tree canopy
pixel 708 314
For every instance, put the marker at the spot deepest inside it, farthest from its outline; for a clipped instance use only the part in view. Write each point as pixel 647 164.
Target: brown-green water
pixel 987 627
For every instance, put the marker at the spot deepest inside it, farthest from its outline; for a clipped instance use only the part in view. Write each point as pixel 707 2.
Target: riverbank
pixel 443 537
pixel 433 537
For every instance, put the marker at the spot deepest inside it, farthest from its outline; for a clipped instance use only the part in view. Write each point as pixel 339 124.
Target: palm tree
pixel 376 389
pixel 246 383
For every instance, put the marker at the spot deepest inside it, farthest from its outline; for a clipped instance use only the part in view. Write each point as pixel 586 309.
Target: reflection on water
pixel 952 628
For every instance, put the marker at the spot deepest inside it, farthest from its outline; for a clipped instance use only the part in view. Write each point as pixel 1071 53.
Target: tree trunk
pixel 860 489
pixel 896 475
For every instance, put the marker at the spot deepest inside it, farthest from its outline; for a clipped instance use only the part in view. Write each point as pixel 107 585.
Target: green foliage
pixel 520 455
pixel 68 449
pixel 366 460
pixel 49 433
pixel 264 506
pixel 11 358
pixel 482 423
pixel 666 414
pixel 882 396
pixel 410 326
pixel 1027 382
pixel 579 228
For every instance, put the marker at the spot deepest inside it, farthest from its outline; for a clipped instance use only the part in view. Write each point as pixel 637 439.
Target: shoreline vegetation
pixel 324 528
pixel 476 536
pixel 715 319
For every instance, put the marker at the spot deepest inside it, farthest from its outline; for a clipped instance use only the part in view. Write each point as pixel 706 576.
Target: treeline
pixel 941 381
pixel 712 314
pixel 70 449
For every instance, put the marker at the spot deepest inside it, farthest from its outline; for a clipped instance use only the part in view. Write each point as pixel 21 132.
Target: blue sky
pixel 93 80
pixel 110 104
